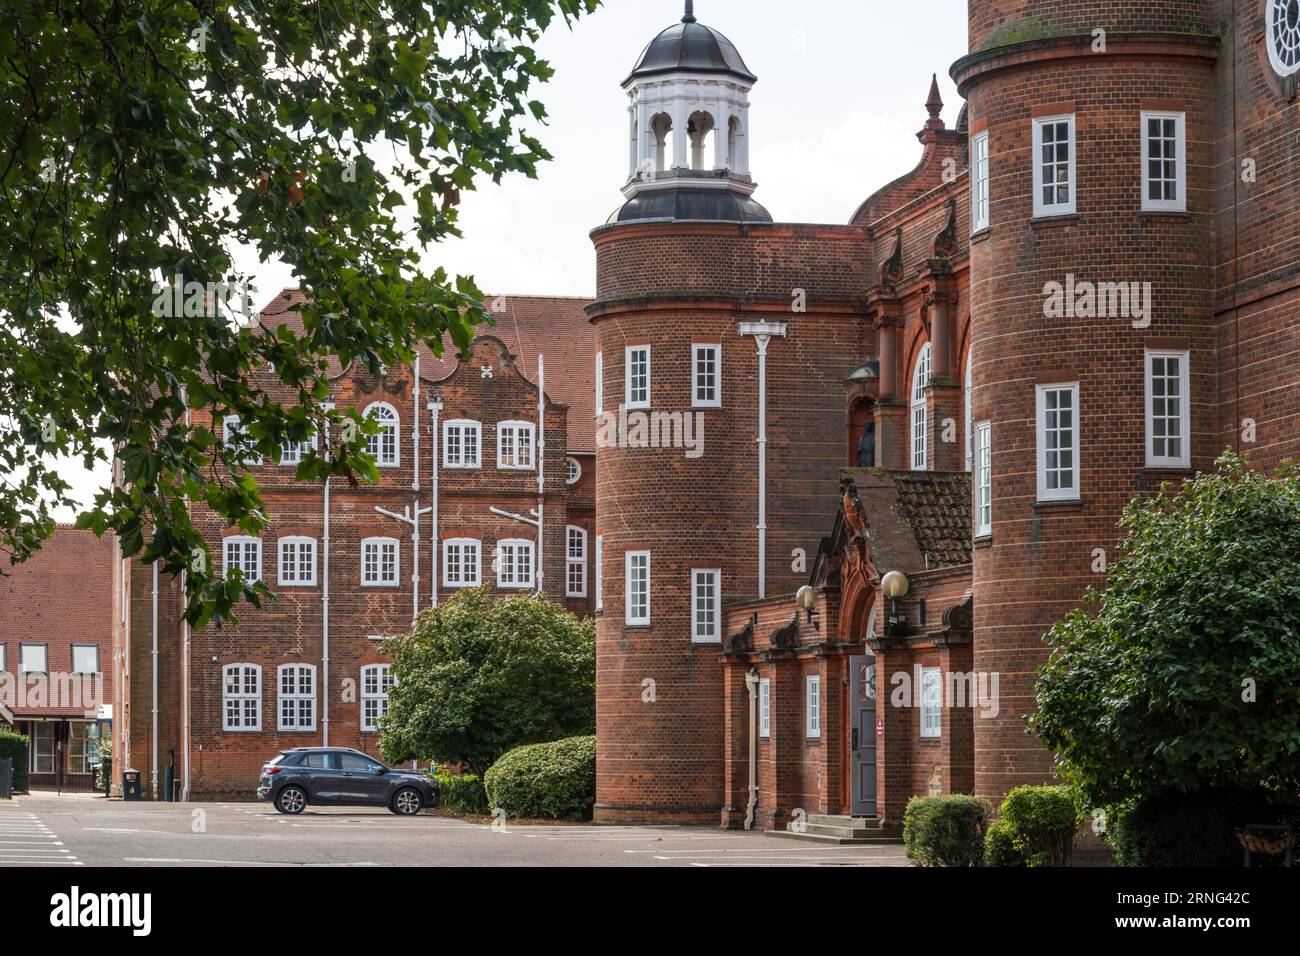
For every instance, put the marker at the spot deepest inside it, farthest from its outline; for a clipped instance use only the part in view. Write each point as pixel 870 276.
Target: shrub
pixel 556 780
pixel 1000 845
pixel 463 793
pixel 946 831
pixel 104 772
pixel 479 676
pixel 1043 822
pixel 1198 829
pixel 14 746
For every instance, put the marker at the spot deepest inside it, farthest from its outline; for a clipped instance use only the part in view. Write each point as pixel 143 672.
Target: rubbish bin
pixel 130 784
pixel 6 778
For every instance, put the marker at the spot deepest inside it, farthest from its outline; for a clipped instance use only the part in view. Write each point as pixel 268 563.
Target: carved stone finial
pixel 690 12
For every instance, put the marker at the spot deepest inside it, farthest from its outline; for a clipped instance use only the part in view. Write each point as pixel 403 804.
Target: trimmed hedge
pixel 1000 845
pixel 462 793
pixel 554 781
pixel 14 746
pixel 1043 822
pixel 1196 829
pixel 946 831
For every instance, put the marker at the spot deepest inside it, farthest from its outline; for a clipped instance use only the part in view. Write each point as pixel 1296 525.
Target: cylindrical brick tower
pixel 724 340
pixel 1091 284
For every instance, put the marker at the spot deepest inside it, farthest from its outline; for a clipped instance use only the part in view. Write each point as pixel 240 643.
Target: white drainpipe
pixel 415 486
pixel 325 597
pixel 541 458
pixel 185 698
pixel 762 333
pixel 435 411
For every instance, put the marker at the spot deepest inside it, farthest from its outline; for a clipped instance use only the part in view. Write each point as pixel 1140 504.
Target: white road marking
pixel 41 848
pixel 163 859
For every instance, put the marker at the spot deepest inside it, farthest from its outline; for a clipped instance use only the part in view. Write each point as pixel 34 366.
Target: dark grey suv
pixel 340 777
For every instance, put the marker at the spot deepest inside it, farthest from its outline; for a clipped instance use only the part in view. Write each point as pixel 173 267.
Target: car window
pixel 320 761
pixel 357 762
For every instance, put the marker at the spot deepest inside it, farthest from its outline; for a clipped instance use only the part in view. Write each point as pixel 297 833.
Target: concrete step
pixel 857 823
pixel 833 840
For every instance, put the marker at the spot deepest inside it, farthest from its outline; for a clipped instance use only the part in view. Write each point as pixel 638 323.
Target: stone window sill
pixel 1069 504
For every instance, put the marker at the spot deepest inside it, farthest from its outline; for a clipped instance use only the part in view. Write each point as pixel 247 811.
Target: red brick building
pixel 1086 288
pixel 57 630
pixel 478 486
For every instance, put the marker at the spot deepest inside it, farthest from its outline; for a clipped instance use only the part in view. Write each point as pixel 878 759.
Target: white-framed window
pixel 241 697
pixel 4 663
pixel 242 553
pixel 234 437
pixel 637 587
pixel 1164 162
pixel 636 376
pixel 931 703
pixel 983 479
pixel 1282 35
pixel 293 452
pixel 462 563
pixel 970 435
pixel 600 383
pixel 1058 442
pixel 1168 409
pixel 376 681
pixel 706 376
pixel 764 707
pixel 297 684
pixel 85 658
pixel 600 591
pixel 979 182
pixel 379 562
pixel 920 379
pixel 1054 186
pixel 384 446
pixel 813 705
pixel 33 659
pixel 297 561
pixel 515 563
pixel 572 471
pixel 515 445
pixel 575 562
pixel 461 441
pixel 706 606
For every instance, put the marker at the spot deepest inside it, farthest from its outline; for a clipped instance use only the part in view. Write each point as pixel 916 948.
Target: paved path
pixel 51 830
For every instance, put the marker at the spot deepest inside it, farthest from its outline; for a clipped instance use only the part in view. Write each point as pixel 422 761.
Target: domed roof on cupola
pixel 690 47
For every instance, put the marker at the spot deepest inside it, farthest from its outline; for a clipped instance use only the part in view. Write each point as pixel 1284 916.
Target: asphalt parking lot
pixel 81 831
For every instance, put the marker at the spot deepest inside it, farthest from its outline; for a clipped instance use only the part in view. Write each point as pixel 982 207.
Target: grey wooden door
pixel 862 736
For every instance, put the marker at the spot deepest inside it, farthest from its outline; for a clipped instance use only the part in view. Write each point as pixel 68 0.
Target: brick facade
pixel 910 282
pixel 494 383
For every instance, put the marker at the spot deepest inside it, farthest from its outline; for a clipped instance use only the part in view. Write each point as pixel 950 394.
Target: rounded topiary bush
pixel 946 831
pixel 1000 845
pixel 554 781
pixel 1043 822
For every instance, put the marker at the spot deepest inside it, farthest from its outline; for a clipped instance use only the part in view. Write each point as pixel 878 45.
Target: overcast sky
pixel 840 96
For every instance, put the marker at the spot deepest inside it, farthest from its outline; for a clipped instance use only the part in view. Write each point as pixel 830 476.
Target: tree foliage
pixel 1184 673
pixel 478 677
pixel 141 141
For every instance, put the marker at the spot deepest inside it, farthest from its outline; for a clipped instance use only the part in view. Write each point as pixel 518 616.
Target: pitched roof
pixel 918 520
pixel 556 327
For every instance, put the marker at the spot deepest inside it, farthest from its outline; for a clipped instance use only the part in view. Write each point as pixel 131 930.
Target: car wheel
pixel 291 800
pixel 407 802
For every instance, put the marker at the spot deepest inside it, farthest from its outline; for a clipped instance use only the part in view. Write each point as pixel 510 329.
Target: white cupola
pixel 689 129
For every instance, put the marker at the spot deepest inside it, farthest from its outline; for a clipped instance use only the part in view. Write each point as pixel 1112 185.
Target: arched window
pixel 297 709
pixel 379 562
pixel 383 446
pixel 661 129
pixel 701 132
pixel 376 681
pixel 575 562
pixel 241 697
pixel 920 379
